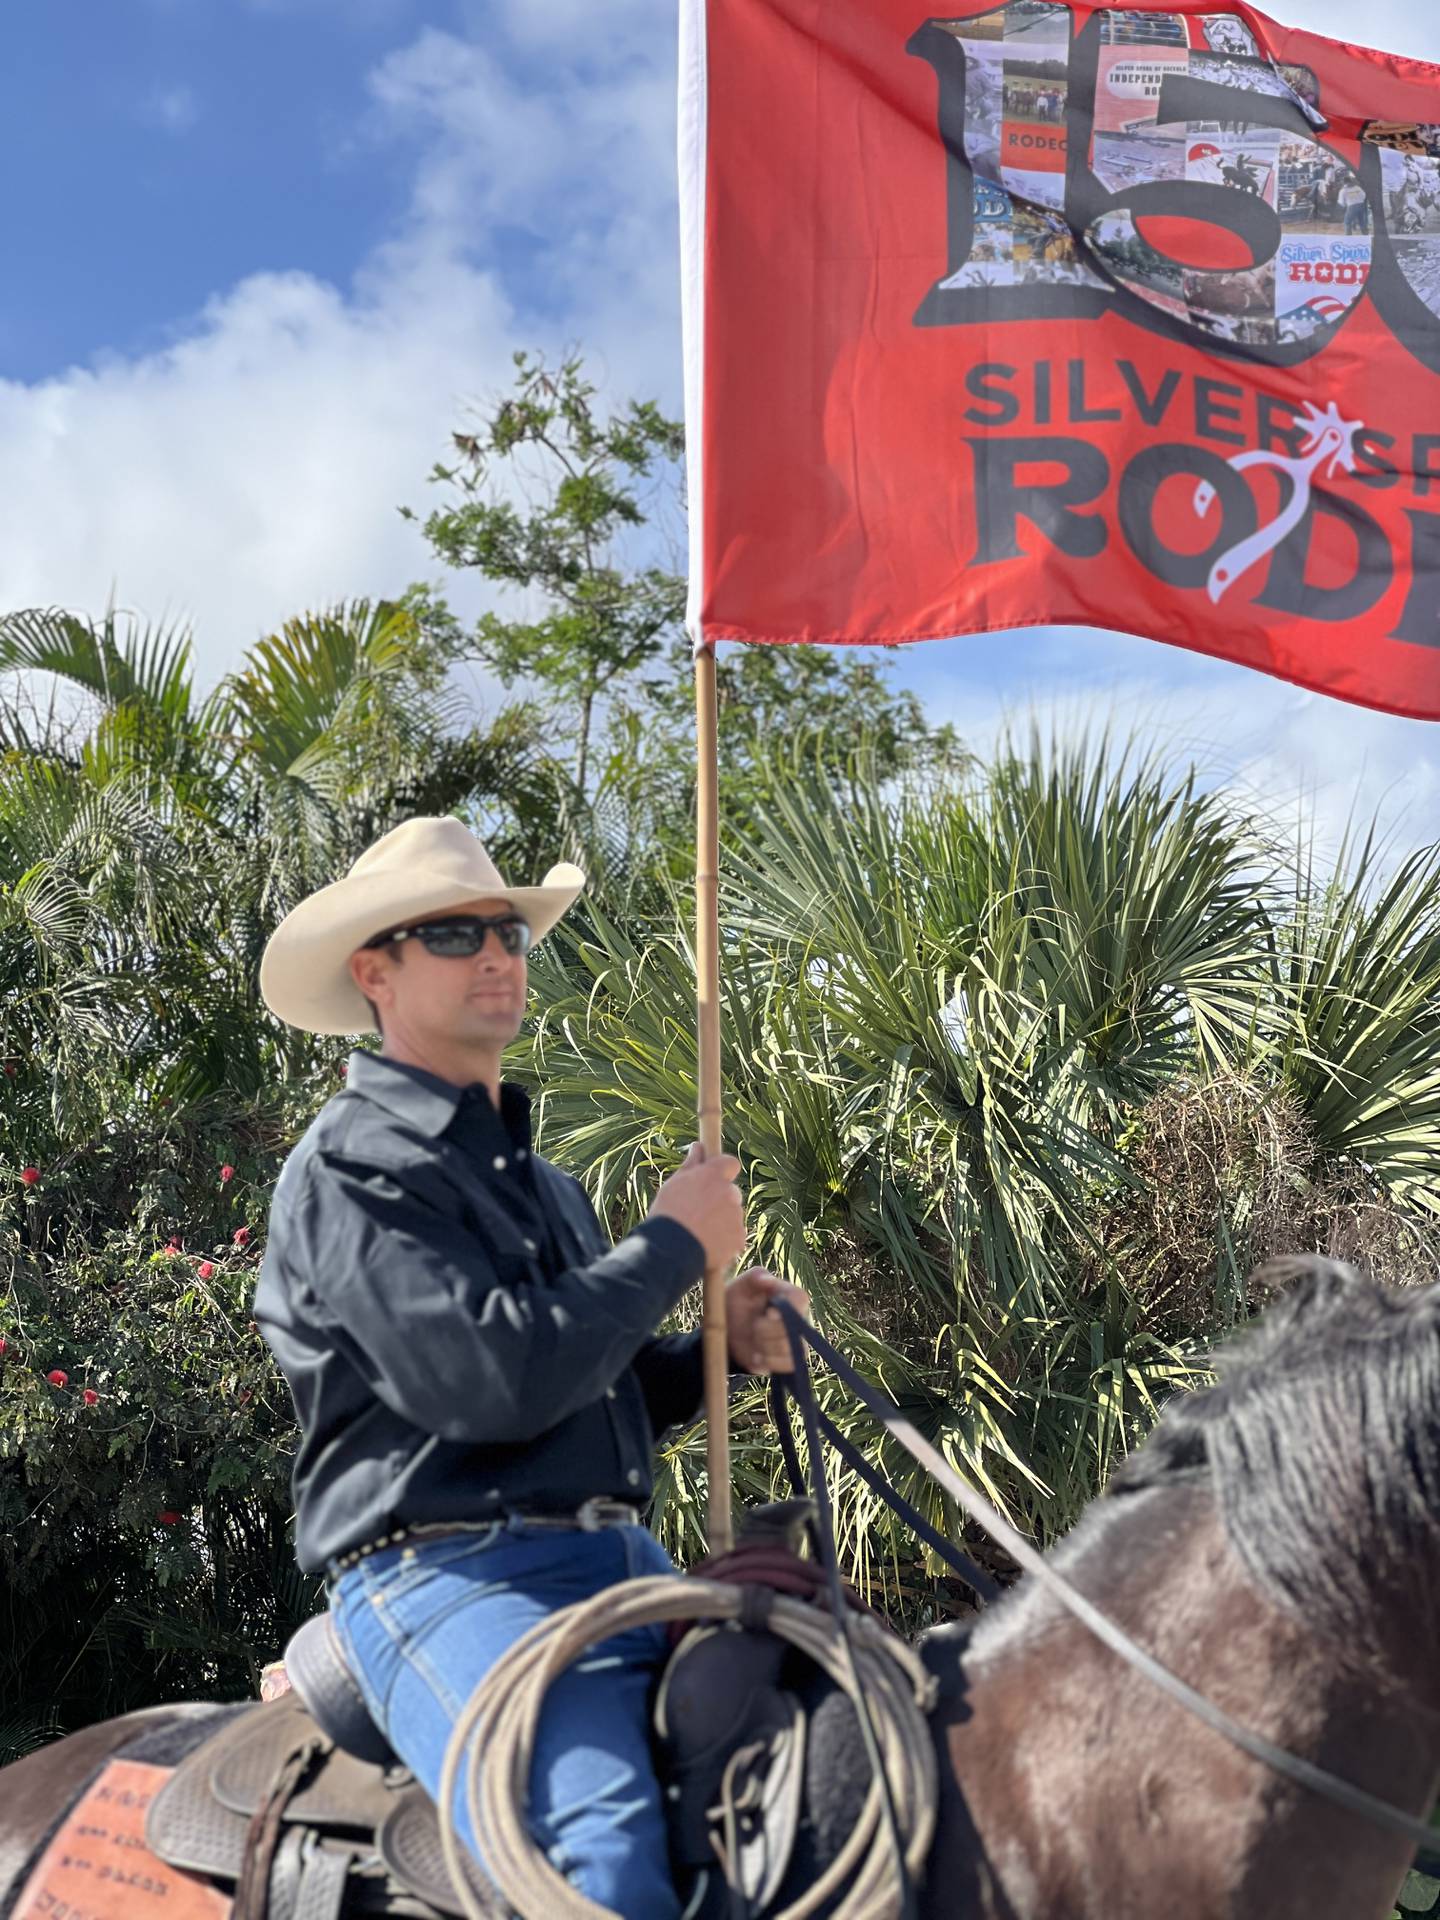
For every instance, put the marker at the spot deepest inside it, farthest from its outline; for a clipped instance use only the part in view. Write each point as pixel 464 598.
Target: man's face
pixel 478 1001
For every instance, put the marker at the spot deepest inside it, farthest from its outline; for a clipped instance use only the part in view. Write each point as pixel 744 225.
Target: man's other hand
pixel 758 1340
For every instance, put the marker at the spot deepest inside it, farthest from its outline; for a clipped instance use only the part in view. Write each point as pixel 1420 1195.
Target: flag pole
pixel 715 1340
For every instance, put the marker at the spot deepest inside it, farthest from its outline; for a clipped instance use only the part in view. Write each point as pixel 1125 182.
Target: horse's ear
pixel 1178 1445
pixel 1182 1439
pixel 1304 1283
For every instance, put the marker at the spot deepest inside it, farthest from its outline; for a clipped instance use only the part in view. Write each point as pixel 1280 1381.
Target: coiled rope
pixel 494 1742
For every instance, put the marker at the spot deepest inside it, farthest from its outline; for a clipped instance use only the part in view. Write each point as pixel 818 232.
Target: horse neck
pixel 1076 1791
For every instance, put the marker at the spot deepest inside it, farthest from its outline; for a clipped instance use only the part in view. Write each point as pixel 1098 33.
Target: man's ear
pixel 370 970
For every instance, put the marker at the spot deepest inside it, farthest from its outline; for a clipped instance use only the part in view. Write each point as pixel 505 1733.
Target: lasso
pixel 497 1733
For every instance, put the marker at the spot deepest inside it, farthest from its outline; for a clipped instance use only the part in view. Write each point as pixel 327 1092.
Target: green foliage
pixel 144 1435
pixel 1014 1064
pixel 149 842
pixel 549 502
pixel 602 615
pixel 1027 1062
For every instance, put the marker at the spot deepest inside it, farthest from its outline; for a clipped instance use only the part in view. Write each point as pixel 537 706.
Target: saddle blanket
pixel 98 1866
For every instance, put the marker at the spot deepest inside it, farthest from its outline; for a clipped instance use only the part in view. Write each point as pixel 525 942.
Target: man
pixel 474 1370
pixel 1357 207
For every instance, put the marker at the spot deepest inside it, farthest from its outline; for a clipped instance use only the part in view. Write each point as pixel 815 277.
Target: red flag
pixel 1055 313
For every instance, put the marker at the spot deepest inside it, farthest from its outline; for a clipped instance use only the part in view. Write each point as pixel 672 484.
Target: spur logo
pixel 1330 441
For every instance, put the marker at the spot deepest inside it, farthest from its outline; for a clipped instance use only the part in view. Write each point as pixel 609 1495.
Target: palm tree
pixel 961 1017
pixel 150 838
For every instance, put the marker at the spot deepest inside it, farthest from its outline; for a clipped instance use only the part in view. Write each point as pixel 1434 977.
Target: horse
pixel 1275 1543
pixel 1233 296
pixel 1242 175
pixel 1056 244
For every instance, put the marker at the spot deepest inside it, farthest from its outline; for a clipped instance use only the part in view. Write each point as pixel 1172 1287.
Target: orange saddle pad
pixel 98 1866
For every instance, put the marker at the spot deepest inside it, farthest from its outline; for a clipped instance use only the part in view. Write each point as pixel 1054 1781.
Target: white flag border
pixel 692 153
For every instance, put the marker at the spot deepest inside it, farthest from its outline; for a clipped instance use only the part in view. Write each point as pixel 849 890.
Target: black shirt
pixel 458 1338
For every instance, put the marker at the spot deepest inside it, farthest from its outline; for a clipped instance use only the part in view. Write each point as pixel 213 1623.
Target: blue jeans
pixel 421 1627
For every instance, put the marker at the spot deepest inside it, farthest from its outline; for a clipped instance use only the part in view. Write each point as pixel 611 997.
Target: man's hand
pixel 702 1196
pixel 758 1340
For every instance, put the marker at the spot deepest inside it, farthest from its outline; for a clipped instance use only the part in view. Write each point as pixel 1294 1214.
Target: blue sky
pixel 172 149
pixel 260 255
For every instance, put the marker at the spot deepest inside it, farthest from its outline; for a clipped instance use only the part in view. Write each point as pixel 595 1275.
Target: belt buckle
pixel 596 1513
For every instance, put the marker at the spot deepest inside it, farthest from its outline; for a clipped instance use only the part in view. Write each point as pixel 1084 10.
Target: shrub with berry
pixel 145 1434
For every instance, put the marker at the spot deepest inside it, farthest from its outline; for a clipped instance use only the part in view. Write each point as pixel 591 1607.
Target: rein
pixel 801 1388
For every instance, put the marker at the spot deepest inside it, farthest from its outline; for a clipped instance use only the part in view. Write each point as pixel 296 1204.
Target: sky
pixel 263 255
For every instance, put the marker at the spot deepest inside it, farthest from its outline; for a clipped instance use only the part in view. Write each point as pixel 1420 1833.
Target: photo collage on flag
pixel 1410 172
pixel 1323 259
pixel 1107 315
pixel 1017 87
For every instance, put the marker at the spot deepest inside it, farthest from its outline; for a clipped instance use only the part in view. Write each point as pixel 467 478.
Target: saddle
pixel 296 1825
pixel 735 1728
pixel 300 1807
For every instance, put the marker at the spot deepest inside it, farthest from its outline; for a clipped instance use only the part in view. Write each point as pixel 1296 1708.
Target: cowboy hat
pixel 418 869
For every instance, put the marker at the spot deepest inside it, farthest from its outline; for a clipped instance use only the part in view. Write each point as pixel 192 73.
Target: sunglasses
pixel 462 937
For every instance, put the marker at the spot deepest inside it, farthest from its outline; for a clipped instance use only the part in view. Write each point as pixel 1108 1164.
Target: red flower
pixel 4 1346
pixel 205 1269
pixel 173 1244
pixel 30 1175
pixel 344 1071
pixel 58 1377
pixel 242 1236
pixel 9 1069
pixel 168 1517
pixel 90 1397
pixel 226 1175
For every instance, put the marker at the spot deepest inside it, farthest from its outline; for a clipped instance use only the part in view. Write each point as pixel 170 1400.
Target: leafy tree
pixel 1027 1069
pixel 1027 1061
pixel 569 509
pixel 601 615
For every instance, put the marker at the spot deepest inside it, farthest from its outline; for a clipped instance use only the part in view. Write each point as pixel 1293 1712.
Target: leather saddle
pixel 300 1805
pixel 731 1740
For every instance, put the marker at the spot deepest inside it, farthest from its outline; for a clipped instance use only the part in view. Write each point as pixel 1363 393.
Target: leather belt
pixel 591 1516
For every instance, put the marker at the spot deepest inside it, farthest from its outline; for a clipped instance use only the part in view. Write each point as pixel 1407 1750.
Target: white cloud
pixel 1399 26
pixel 171 109
pixel 585 166
pixel 254 467
pixel 1307 765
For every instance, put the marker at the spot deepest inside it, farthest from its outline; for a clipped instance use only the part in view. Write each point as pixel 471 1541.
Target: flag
pixel 1041 313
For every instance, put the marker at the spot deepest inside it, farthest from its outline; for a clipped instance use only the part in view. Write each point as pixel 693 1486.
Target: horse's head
pixel 1276 1544
pixel 1321 1443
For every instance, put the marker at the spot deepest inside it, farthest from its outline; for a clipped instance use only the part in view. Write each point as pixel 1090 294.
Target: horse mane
pixel 1320 1441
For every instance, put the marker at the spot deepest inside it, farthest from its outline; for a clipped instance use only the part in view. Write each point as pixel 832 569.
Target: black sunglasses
pixel 462 937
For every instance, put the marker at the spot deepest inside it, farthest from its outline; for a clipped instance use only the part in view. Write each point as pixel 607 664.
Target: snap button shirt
pixel 459 1337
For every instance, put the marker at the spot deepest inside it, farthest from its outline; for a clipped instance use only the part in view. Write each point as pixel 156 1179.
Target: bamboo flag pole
pixel 716 1347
